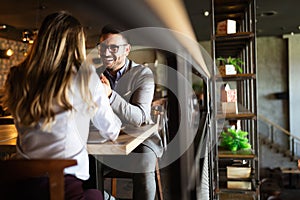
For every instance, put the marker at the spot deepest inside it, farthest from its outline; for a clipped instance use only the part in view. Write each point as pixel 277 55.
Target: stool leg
pixel 159 188
pixel 114 187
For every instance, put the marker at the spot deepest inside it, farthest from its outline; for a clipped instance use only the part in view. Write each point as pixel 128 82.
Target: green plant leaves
pixel 236 62
pixel 234 139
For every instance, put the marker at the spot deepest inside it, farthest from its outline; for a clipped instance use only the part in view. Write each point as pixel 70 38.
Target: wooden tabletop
pixel 8 138
pixel 6 120
pixel 129 138
pixel 290 171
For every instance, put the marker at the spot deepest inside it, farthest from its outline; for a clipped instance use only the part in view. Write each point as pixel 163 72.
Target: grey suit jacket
pixel 132 98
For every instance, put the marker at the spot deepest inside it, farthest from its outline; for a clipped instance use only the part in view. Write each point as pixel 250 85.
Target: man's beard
pixel 113 64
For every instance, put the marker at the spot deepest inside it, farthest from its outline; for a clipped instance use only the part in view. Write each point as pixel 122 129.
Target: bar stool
pixel 114 174
pixel 159 115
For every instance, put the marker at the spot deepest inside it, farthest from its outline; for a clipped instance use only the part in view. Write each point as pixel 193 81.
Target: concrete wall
pixel 272 77
pixel 294 82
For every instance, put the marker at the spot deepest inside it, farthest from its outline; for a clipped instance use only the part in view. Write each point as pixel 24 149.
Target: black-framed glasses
pixel 112 48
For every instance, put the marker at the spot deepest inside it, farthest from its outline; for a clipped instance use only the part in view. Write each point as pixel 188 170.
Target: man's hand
pixel 106 85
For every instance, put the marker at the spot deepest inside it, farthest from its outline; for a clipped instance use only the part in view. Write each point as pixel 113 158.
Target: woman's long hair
pixel 42 81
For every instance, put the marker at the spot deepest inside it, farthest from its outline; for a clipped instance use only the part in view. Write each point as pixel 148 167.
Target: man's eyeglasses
pixel 112 48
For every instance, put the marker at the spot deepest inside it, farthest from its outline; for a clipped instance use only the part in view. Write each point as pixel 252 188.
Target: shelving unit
pixel 241 44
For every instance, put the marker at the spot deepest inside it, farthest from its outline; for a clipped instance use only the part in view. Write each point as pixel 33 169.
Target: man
pixel 130 88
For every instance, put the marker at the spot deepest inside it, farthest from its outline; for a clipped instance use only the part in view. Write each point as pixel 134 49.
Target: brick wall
pixel 19 49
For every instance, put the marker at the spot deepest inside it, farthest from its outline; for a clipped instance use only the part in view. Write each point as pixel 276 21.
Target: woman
pixel 53 95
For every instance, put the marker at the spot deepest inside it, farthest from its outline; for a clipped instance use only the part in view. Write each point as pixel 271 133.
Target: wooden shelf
pixel 240 154
pixel 243 113
pixel 240 45
pixel 237 195
pixel 234 36
pixel 224 189
pixel 220 3
pixel 237 116
pixel 230 10
pixel 237 191
pixel 236 77
pixel 232 44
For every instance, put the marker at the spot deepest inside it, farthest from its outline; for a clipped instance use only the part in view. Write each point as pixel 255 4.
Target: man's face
pixel 113 50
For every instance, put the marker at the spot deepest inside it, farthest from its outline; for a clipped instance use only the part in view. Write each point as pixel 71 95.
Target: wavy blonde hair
pixel 41 82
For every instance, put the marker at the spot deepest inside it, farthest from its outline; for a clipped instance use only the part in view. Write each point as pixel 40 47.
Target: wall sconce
pixel 6 53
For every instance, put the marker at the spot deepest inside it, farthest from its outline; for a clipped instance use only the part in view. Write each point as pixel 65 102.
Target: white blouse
pixel 67 136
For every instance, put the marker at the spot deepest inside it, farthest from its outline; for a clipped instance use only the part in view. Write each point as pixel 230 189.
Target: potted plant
pixel 231 65
pixel 234 140
pixel 198 89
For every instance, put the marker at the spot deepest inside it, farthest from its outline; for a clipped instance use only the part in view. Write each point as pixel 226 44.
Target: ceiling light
pixel 206 13
pixel 268 13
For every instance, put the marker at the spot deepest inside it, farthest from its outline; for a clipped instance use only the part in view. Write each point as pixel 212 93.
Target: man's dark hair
pixel 109 28
pixel 112 29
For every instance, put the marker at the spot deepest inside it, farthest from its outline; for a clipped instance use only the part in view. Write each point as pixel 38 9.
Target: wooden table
pixel 8 138
pixel 6 120
pixel 291 172
pixel 128 140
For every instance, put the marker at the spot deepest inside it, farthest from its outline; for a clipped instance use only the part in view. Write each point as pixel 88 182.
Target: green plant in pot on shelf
pixel 234 140
pixel 236 62
pixel 198 89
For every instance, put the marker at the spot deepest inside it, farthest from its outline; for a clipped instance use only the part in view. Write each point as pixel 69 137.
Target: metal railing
pixel 275 131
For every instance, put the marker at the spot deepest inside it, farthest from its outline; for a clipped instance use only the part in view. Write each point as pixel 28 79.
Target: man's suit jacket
pixel 132 101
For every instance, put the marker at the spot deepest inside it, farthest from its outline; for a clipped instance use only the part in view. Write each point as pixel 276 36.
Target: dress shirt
pixel 113 80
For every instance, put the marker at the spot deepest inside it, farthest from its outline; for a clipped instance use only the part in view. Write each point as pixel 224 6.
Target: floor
pixel 290 194
pixel 124 187
pixel 288 184
pixel 290 188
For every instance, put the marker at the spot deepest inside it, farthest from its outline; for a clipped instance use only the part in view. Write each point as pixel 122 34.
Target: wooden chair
pixel 271 186
pixel 159 108
pixel 12 171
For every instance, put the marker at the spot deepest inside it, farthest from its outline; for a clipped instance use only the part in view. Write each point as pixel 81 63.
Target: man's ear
pixel 127 49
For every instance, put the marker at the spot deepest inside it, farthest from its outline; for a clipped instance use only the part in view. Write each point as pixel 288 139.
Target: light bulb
pixel 9 52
